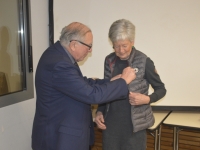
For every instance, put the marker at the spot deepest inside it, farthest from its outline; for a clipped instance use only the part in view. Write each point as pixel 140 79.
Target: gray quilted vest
pixel 141 115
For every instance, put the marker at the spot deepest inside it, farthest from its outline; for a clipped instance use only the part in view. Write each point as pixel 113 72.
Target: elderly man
pixel 63 118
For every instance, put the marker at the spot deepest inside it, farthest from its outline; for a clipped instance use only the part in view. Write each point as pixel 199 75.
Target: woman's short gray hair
pixel 121 30
pixel 74 31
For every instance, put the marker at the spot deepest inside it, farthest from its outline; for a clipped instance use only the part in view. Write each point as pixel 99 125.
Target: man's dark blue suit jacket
pixel 63 118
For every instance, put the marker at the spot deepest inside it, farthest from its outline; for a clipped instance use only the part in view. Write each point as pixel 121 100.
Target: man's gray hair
pixel 121 30
pixel 74 31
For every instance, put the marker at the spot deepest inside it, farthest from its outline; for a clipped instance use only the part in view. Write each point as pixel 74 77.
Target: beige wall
pixel 166 31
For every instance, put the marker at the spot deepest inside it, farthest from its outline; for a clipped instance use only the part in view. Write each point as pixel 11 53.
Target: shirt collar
pixel 70 56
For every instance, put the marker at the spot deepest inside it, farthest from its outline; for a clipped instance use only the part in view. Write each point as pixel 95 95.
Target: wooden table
pixel 155 130
pixel 180 120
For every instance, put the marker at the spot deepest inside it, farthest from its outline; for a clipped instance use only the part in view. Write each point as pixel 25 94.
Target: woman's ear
pixel 132 42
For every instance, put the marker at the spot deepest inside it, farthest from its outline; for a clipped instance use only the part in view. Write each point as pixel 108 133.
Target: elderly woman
pixel 124 121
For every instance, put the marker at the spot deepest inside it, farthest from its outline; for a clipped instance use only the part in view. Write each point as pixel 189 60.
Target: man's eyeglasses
pixel 89 46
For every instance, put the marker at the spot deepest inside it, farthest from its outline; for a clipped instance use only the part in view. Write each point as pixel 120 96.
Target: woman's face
pixel 123 48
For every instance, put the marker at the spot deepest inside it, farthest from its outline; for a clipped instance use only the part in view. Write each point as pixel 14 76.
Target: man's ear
pixel 72 45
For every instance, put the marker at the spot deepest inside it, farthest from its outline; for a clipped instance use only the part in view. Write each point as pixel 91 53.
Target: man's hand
pixel 128 74
pixel 100 120
pixel 138 99
pixel 116 77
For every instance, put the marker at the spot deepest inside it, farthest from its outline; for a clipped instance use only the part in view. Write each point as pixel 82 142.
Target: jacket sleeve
pixel 68 79
pixel 91 81
pixel 154 80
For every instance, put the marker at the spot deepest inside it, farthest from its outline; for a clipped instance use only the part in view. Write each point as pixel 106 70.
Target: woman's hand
pixel 100 120
pixel 138 99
